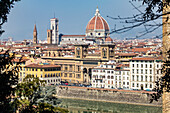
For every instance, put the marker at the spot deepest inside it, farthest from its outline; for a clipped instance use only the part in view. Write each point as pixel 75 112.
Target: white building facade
pixel 110 76
pixel 144 72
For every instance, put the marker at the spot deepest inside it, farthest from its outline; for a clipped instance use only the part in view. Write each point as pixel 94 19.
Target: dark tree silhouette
pixel 163 84
pixel 8 80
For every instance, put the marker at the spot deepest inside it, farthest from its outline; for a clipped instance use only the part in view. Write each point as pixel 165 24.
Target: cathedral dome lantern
pixel 97 27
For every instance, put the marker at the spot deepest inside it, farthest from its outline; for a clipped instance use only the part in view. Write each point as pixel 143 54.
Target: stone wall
pixel 107 95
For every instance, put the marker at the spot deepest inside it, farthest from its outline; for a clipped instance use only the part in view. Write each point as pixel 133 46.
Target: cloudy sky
pixel 73 17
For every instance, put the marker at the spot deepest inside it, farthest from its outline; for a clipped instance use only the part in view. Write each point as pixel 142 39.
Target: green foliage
pixel 28 92
pixel 31 98
pixel 8 80
pixel 5 7
pixel 163 85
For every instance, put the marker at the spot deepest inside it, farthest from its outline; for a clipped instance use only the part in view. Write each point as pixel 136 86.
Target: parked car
pixel 147 90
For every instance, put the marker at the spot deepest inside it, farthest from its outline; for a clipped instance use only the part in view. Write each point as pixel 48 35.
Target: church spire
pixel 35 29
pixel 35 35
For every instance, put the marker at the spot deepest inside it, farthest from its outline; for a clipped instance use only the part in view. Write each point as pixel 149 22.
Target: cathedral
pixel 97 31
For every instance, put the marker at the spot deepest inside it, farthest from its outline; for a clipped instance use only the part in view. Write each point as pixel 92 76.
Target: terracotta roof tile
pixel 41 66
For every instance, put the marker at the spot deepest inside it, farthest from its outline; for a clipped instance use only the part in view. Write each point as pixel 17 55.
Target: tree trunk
pixel 166 47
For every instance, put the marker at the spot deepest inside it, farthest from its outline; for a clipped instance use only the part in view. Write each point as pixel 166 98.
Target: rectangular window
pixel 137 85
pixel 141 71
pixel 78 68
pixel 150 85
pixel 137 65
pixel 133 65
pixel 150 65
pixel 141 65
pixel 146 66
pixel 146 78
pixel 141 78
pixel 146 71
pixel 137 71
pixel 150 78
pixel 133 71
pixel 150 71
pixel 137 78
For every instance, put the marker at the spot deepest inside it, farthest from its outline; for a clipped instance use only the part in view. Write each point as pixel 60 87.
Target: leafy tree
pixel 8 80
pixel 31 98
pixel 163 84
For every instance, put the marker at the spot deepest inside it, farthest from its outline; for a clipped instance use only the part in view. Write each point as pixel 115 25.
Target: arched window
pixel 104 52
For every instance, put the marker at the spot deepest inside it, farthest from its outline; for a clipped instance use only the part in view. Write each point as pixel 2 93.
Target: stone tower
pixel 81 50
pixel 54 28
pixel 49 36
pixel 107 51
pixel 35 35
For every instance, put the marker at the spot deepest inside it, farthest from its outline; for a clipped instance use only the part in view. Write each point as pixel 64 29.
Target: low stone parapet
pixel 107 95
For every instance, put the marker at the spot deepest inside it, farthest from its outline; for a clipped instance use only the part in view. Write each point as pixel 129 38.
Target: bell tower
pixel 107 51
pixel 54 28
pixel 35 35
pixel 80 50
pixel 49 36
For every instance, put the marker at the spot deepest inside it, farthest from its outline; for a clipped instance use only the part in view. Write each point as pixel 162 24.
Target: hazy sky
pixel 73 17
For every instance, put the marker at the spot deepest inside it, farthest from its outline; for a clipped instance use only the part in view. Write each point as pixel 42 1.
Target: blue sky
pixel 73 17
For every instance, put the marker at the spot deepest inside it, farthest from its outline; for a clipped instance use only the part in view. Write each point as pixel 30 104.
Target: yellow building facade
pixel 50 73
pixel 77 69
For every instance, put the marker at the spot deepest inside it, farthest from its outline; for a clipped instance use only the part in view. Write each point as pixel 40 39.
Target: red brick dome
pixel 97 23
